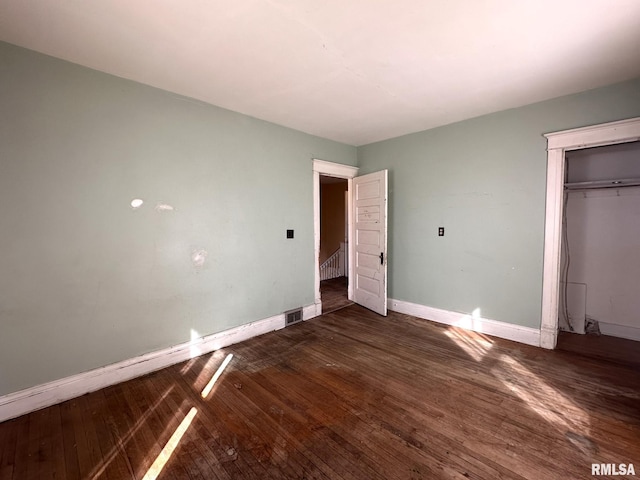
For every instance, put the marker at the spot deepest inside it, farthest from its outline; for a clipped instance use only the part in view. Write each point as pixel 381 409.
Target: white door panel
pixel 370 241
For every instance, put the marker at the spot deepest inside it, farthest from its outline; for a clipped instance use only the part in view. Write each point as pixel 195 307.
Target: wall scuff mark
pixel 198 257
pixel 164 207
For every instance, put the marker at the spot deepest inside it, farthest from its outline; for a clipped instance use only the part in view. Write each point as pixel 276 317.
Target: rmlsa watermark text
pixel 612 469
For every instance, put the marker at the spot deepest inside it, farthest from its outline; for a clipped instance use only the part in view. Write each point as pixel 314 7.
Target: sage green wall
pixel 484 181
pixel 85 280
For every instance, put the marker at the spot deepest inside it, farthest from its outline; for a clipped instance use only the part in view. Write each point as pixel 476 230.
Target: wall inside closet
pixel 601 244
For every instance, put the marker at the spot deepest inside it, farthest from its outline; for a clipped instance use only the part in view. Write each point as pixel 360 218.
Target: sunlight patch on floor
pixel 187 366
pixel 464 333
pixel 212 364
pixel 473 344
pixel 164 456
pixel 207 389
pixel 543 399
pixel 122 443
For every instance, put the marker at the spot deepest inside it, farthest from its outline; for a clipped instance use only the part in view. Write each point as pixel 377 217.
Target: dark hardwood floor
pixel 349 395
pixel 334 294
pixel 603 347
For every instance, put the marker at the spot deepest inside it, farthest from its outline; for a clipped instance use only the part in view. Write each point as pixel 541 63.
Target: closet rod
pixel 601 184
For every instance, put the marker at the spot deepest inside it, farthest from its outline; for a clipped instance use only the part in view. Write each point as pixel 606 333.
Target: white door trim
pixel 322 167
pixel 557 144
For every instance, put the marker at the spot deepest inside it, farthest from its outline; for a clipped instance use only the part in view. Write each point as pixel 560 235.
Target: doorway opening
pixel 366 249
pixel 558 145
pixel 600 253
pixel 333 176
pixel 333 259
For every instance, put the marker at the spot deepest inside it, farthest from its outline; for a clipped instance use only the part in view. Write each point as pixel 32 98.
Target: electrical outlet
pixel 441 231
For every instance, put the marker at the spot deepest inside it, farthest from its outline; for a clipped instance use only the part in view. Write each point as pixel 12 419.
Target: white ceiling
pixel 356 71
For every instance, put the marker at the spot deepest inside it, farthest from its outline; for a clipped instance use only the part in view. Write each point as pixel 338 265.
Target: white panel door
pixel 370 241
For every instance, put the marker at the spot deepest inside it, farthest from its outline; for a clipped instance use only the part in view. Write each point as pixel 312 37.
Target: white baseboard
pixel 548 338
pixel 622 331
pixel 509 331
pixel 312 311
pixel 41 396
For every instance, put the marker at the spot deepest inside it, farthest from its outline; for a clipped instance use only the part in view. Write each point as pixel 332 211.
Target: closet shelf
pixel 614 183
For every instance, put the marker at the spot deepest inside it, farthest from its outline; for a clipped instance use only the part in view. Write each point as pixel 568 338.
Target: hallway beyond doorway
pixel 334 294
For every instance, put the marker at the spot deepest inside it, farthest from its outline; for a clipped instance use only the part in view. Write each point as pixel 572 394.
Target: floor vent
pixel 292 316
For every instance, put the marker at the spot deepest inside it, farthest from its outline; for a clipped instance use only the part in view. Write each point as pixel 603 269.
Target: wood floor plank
pixel 55 436
pixel 333 294
pixel 22 460
pixel 211 428
pixel 236 441
pixel 349 395
pixel 45 445
pixel 314 464
pixel 87 448
pixel 123 426
pixel 89 418
pixel 163 423
pixel 254 434
pixel 273 424
pixel 70 447
pixel 37 454
pixel 141 446
pixel 8 441
pixel 285 429
pixel 344 456
pixel 99 415
pixel 381 426
pixel 173 413
pixel 411 426
pixel 155 431
pixel 602 347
